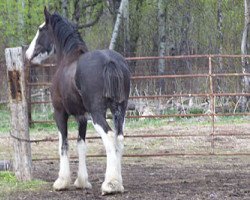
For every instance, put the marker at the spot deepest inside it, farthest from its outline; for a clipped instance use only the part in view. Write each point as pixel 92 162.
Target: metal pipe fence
pixel 211 95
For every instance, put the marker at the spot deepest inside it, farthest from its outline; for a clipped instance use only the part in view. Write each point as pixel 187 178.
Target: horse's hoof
pixel 81 184
pixel 112 187
pixel 61 184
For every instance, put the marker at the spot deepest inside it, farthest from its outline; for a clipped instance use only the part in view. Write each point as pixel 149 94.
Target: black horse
pixel 85 84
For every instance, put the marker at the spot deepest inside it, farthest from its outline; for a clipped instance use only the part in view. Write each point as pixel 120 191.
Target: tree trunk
pixel 162 43
pixel 117 24
pixel 246 29
pixel 219 26
pixel 21 7
pixel 220 40
pixel 244 51
pixel 65 8
pixel 76 14
pixel 134 31
pixel 126 29
pixel 184 65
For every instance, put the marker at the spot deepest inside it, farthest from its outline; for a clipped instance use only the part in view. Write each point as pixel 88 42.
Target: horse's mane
pixel 69 39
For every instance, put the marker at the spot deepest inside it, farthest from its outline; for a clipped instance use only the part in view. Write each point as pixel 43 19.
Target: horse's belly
pixel 73 105
pixel 68 99
pixel 65 93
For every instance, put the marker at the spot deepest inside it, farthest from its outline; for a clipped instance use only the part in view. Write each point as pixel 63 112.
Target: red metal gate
pixel 211 71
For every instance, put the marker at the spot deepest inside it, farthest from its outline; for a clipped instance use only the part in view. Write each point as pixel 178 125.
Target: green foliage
pixel 20 19
pixel 192 22
pixel 170 111
pixel 51 127
pixel 196 110
pixel 134 124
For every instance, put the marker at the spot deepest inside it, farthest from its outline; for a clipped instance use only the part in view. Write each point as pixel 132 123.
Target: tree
pixel 126 28
pixel 162 42
pixel 244 51
pixel 96 6
pixel 244 44
pixel 65 8
pixel 123 5
pixel 220 39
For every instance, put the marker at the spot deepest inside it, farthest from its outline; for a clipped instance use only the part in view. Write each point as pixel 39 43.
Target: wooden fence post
pixel 22 163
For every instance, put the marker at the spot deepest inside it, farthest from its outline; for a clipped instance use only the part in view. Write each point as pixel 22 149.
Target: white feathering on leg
pixel 82 179
pixel 63 180
pixel 113 181
pixel 120 147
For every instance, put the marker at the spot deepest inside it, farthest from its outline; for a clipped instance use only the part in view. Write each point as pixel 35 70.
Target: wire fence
pixel 208 88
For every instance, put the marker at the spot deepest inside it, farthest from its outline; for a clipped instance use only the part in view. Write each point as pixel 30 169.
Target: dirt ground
pixel 181 177
pixel 162 178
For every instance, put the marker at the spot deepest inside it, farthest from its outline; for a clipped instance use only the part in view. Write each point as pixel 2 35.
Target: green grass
pixel 143 123
pixel 51 127
pixel 36 127
pixel 130 123
pixel 10 185
pixel 184 121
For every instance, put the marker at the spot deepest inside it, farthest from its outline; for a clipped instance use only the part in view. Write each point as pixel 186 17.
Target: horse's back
pixel 95 60
pixel 102 74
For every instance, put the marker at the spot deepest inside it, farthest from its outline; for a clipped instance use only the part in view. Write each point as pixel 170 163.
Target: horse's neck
pixel 65 60
pixel 66 71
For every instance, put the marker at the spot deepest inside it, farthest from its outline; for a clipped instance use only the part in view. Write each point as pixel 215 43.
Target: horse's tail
pixel 113 75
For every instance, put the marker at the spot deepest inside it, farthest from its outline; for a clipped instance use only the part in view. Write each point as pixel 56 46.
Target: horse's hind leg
pixel 82 178
pixel 63 180
pixel 118 111
pixel 113 181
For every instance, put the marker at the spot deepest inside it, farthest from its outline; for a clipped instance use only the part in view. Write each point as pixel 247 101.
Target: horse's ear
pixel 46 14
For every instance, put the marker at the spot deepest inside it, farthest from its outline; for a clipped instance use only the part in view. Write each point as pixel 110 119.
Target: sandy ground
pixel 181 177
pixel 157 178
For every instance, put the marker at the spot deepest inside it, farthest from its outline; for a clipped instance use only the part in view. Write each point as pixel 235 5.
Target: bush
pixel 196 111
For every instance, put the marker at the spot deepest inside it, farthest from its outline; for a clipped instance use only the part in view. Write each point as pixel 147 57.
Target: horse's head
pixel 42 46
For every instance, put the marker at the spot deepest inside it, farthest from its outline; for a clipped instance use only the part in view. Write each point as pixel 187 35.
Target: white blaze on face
pixel 42 56
pixel 31 49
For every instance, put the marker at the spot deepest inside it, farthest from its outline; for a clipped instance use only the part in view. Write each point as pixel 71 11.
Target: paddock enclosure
pixel 187 132
pixel 196 88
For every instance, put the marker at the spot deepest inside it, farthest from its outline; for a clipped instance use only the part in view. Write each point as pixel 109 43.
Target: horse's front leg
pixel 63 180
pixel 82 178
